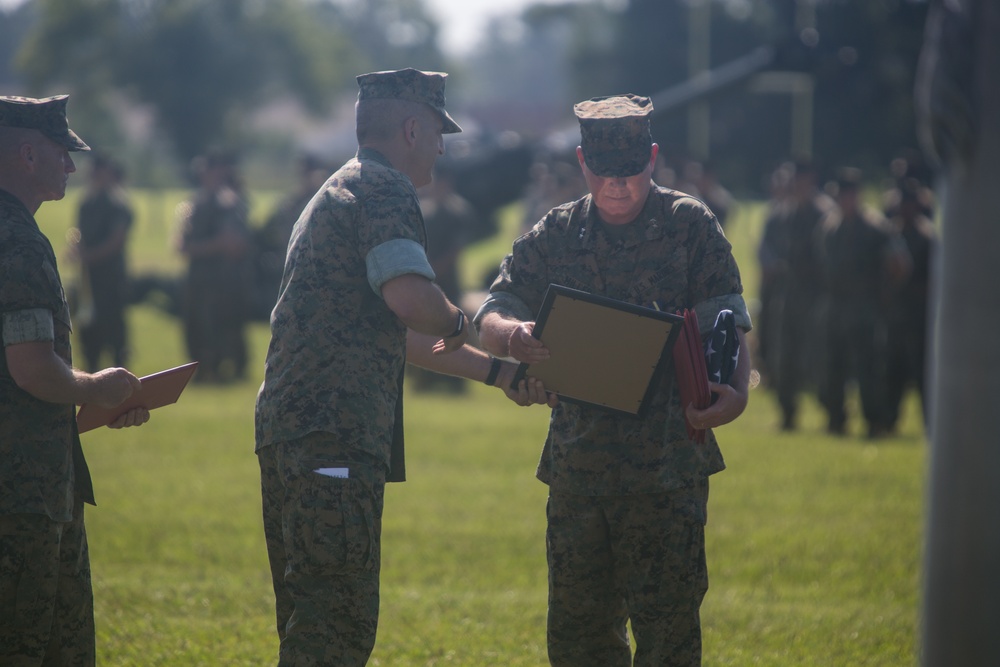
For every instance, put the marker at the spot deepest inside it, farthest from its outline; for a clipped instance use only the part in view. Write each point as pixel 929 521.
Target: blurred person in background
pixel 793 269
pixel 701 181
pixel 46 596
pixel 864 261
pixel 554 181
pixel 271 240
pixel 215 239
pixel 104 219
pixel 908 325
pixel 773 267
pixel 628 496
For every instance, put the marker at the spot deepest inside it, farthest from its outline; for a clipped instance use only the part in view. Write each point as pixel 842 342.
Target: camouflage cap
pixel 614 134
pixel 409 84
pixel 47 115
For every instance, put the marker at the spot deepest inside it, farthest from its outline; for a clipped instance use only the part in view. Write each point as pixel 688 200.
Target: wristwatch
pixel 491 377
pixel 460 327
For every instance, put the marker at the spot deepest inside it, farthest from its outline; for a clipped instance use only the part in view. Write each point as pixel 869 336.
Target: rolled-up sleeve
pixel 709 309
pixel 505 304
pixel 396 258
pixel 27 326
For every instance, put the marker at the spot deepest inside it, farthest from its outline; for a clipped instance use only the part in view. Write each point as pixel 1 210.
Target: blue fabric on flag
pixel 722 349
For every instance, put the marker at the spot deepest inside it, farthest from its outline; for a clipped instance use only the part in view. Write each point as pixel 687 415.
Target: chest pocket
pixel 662 278
pixel 576 270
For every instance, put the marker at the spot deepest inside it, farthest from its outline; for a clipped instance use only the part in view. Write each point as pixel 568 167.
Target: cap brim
pixel 617 164
pixel 450 126
pixel 73 142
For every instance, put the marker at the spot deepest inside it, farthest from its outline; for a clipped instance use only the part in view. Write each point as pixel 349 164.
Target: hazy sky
pixel 462 21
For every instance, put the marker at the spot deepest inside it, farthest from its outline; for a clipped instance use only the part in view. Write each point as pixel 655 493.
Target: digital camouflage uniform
pixel 329 413
pixel 627 495
pixel 46 599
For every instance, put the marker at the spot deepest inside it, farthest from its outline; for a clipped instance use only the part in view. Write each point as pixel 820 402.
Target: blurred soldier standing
pixel 796 275
pixel 863 260
pixel 772 257
pixel 908 325
pixel 356 302
pixel 272 237
pixel 627 497
pixel 104 219
pixel 215 239
pixel 46 595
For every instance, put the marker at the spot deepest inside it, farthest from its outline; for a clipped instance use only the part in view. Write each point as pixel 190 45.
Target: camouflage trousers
pixel 614 559
pixel 46 598
pixel 322 509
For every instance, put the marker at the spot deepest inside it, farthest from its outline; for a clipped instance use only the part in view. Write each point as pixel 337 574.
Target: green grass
pixel 813 541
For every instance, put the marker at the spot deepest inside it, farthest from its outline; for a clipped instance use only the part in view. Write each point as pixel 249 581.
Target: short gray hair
pixel 379 119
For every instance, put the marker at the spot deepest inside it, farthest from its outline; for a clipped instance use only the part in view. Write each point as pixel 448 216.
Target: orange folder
pixel 157 390
pixel 691 371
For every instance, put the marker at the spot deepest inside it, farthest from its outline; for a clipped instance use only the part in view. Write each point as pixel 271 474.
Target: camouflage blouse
pixel 672 256
pixel 337 352
pixel 42 469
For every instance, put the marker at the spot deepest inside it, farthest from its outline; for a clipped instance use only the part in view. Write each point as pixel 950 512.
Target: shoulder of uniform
pixel 681 204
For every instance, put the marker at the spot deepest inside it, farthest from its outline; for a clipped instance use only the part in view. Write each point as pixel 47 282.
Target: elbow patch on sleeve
pixel 396 258
pixel 27 326
pixel 709 309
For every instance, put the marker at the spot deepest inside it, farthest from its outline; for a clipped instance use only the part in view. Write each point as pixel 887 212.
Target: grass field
pixel 813 542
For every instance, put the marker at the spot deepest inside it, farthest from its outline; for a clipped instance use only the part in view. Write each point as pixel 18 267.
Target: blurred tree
pixel 15 23
pixel 387 34
pixel 203 66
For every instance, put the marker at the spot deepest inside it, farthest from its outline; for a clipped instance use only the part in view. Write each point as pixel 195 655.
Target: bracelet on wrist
pixel 459 327
pixel 495 365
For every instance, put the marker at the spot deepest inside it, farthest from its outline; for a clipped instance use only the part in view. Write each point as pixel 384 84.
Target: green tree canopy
pixel 203 66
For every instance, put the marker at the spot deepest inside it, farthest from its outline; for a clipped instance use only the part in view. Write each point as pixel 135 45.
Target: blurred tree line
pixel 200 69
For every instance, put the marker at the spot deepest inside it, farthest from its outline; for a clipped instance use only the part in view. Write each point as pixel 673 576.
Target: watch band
pixel 459 327
pixel 495 365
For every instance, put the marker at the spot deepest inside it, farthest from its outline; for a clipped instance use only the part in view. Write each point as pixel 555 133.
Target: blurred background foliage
pixel 160 81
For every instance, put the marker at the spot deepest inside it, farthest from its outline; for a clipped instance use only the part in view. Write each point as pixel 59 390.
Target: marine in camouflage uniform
pixel 46 598
pixel 329 413
pixel 627 495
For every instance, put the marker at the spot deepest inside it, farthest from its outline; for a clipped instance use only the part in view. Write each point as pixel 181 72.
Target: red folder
pixel 691 372
pixel 157 390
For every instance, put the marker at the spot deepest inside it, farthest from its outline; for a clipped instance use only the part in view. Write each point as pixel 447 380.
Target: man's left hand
pixel 729 405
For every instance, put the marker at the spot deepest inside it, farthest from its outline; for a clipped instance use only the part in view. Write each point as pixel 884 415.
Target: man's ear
pixel 26 151
pixel 410 130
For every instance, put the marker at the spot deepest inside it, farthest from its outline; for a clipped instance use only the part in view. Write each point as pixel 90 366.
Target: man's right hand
pixel 113 385
pixel 524 347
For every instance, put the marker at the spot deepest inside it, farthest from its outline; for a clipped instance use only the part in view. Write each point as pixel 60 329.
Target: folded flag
pixel 696 363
